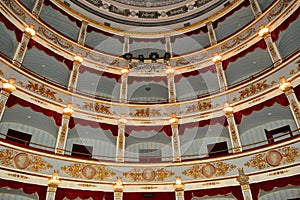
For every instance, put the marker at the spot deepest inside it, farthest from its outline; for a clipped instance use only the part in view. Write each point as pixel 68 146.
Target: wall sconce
pixel 118 186
pixel 173 119
pixel 125 70
pixel 78 58
pixel 263 31
pixel 284 85
pixel 54 181
pixel 68 110
pixel 216 58
pixel 178 186
pixel 227 108
pixel 30 30
pixel 9 86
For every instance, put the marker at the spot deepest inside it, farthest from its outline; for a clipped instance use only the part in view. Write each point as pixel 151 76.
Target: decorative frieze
pixel 147 112
pixel 148 174
pixel 96 107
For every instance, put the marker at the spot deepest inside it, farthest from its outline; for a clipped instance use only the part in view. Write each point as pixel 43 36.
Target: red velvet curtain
pixel 211 68
pixel 71 18
pixel 236 191
pixel 261 44
pixel 68 63
pixel 297 88
pixel 281 100
pixel 26 187
pixel 132 79
pixel 284 25
pixel 221 19
pixel 218 120
pixel 270 185
pixel 112 128
pixel 61 193
pixel 84 69
pixel 13 100
pixel 156 196
pixel 167 129
pixel 12 27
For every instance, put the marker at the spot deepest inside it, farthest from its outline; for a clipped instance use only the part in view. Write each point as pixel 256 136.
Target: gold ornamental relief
pixel 200 106
pixel 56 40
pixel 146 113
pixel 96 107
pixel 148 174
pixel 95 172
pixel 22 161
pixel 209 170
pixel 273 158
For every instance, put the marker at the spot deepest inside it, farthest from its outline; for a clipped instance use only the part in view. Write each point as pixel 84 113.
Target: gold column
pixel 179 189
pixel 211 34
pixel 217 59
pixel 171 84
pixel 124 85
pixel 63 130
pixel 22 46
pixel 255 8
pixel 168 44
pixel 272 47
pixel 82 33
pixel 7 88
pixel 75 72
pixel 244 182
pixel 175 138
pixel 287 88
pixel 126 47
pixel 233 130
pixel 120 152
pixel 53 183
pixel 37 8
pixel 118 189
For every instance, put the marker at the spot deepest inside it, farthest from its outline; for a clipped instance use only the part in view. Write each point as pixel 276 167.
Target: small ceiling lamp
pixel 118 186
pixel 30 30
pixel 9 86
pixel 217 58
pixel 173 119
pixel 284 85
pixel 263 31
pixel 227 108
pixel 68 110
pixel 178 186
pixel 54 181
pixel 125 70
pixel 78 58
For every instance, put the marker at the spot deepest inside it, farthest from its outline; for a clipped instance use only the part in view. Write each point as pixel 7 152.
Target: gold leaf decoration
pixel 201 106
pixel 194 172
pixel 38 164
pixel 259 161
pixel 6 157
pixel 96 107
pixel 146 113
pixel 148 174
pixel 77 171
pixel 223 168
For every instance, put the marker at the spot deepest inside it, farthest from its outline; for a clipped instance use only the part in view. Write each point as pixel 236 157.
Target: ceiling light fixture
pixel 284 85
pixel 9 86
pixel 173 119
pixel 30 30
pixel 125 70
pixel 216 58
pixel 78 58
pixel 227 108
pixel 68 110
pixel 263 31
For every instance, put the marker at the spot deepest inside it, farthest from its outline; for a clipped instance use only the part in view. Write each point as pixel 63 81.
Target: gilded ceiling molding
pixel 148 174
pixel 19 160
pixel 209 170
pixel 274 158
pixel 95 172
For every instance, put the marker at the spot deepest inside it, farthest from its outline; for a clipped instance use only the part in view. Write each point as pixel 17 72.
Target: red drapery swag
pixel 167 129
pixel 218 120
pixel 61 193
pixel 143 196
pixel 281 100
pixel 12 27
pixel 211 68
pixel 83 69
pixel 297 88
pixel 234 190
pixel 221 19
pixel 112 128
pixel 26 187
pixel 284 25
pixel 13 100
pixel 270 185
pixel 71 18
pixel 132 79
pixel 68 63
pixel 260 44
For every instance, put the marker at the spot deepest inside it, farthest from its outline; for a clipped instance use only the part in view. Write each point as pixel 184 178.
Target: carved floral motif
pixel 141 174
pixel 78 170
pixel 259 161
